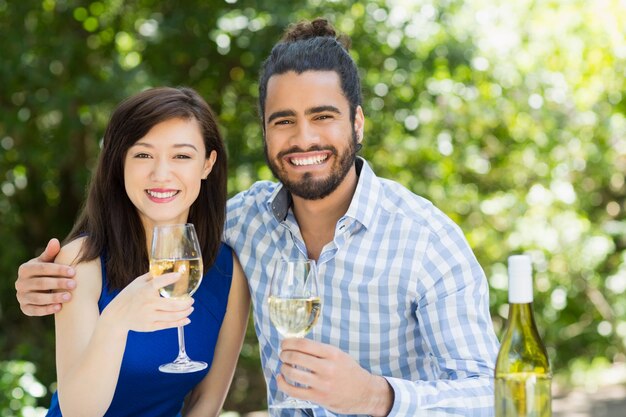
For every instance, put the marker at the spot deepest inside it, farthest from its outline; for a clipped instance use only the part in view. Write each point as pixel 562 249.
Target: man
pixel 405 327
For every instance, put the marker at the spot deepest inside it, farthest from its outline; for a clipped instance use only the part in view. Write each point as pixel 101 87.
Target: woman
pixel 162 162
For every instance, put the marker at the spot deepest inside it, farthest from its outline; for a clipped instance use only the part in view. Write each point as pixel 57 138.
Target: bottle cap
pixel 520 279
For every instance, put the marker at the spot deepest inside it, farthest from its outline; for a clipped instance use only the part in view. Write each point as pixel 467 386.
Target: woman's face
pixel 163 171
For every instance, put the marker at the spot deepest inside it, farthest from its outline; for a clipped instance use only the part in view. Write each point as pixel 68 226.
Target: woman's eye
pixel 142 155
pixel 182 157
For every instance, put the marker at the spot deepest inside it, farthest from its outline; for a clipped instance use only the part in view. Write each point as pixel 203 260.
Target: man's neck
pixel 317 218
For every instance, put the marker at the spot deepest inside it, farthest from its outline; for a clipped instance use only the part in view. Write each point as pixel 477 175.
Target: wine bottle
pixel 523 377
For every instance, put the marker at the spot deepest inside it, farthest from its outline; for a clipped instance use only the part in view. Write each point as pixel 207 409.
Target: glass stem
pixel 182 354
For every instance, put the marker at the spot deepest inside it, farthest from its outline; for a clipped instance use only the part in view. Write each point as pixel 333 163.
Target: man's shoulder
pixel 399 201
pixel 250 202
pixel 246 208
pixel 259 191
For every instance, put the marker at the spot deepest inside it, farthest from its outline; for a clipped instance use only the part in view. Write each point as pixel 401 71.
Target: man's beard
pixel 307 187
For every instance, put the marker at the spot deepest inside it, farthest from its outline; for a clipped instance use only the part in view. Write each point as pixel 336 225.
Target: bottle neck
pixel 521 313
pixel 521 322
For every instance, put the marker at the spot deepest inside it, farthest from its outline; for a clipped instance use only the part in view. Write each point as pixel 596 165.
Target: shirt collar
pixel 367 196
pixel 364 204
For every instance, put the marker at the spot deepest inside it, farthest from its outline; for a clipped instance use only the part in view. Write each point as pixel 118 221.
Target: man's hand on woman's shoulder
pixel 43 286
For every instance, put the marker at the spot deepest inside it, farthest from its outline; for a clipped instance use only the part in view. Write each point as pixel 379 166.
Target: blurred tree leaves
pixel 20 389
pixel 511 124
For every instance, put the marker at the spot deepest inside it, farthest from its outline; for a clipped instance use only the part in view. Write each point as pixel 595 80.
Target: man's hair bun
pixel 313 29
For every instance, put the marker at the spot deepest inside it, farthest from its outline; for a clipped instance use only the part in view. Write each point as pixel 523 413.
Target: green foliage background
pixel 509 116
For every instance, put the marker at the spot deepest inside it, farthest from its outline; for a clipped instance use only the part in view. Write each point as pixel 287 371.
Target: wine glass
pixel 294 306
pixel 175 248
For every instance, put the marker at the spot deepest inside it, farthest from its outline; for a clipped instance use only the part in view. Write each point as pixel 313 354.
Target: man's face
pixel 310 142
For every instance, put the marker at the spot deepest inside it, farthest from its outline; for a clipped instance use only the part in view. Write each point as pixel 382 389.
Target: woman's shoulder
pixel 88 270
pixel 224 251
pixel 223 264
pixel 70 252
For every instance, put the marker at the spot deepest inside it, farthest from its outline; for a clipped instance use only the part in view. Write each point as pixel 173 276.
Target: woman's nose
pixel 161 170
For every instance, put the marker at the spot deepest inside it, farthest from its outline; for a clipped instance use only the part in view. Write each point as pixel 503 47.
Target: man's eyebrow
pixel 321 109
pixel 281 113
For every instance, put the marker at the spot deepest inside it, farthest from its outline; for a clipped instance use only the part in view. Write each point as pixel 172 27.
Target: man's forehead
pixel 306 90
pixel 329 78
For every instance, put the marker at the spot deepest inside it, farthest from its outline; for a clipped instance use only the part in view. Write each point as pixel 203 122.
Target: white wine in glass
pixel 189 269
pixel 294 317
pixel 175 248
pixel 294 306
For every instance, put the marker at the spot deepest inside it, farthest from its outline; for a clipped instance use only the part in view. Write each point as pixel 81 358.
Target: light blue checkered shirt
pixel 401 292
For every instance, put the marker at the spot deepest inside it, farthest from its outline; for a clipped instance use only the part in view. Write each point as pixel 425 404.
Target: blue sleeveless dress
pixel 142 390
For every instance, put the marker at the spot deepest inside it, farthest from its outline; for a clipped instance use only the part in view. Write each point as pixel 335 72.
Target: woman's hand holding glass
pixel 140 308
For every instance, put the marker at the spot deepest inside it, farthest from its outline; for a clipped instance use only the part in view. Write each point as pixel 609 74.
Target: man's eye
pixel 324 117
pixel 283 122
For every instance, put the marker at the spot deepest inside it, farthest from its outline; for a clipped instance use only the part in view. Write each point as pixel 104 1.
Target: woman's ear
pixel 208 164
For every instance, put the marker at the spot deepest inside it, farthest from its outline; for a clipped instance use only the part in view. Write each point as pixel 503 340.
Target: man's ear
pixel 359 123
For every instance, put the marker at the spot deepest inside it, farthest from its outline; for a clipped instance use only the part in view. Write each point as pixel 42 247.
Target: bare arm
pixel 207 398
pixel 42 285
pixel 84 337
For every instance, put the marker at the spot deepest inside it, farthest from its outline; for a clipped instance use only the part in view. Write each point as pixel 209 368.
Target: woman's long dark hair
pixel 110 221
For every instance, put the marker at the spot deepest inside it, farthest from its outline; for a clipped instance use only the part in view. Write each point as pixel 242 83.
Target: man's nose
pixel 307 133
